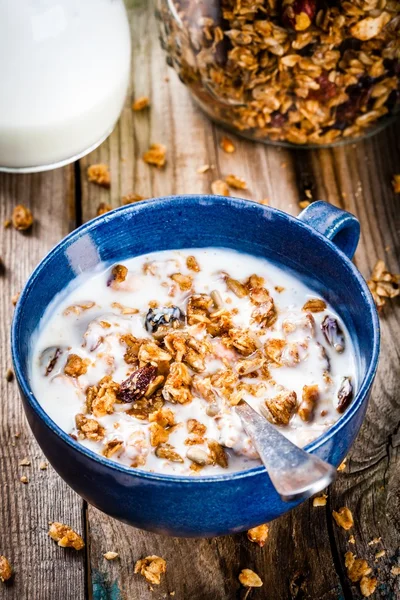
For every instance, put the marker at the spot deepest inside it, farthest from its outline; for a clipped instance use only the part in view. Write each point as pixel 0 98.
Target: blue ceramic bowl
pixel 317 246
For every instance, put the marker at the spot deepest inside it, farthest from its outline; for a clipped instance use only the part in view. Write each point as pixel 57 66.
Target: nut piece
pixel 319 500
pixel 198 456
pixel 22 218
pixel 65 536
pixel 111 555
pixel 76 366
pixel 314 305
pixel 248 578
pixel 99 174
pixel 140 103
pixel 357 568
pixel 155 155
pixel 370 27
pixel 236 287
pixel 151 567
pixel 220 188
pixel 343 518
pixel 368 586
pixel 279 410
pixel 309 400
pixel 5 569
pixel 227 145
pixel 258 534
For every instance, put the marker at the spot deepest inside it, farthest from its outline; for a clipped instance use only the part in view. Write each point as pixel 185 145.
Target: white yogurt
pixel 91 318
pixel 64 72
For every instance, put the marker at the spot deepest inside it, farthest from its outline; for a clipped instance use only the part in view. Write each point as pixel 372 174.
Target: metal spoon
pixel 295 474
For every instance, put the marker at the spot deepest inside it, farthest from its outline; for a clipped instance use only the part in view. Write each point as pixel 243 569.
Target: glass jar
pixel 64 72
pixel 289 72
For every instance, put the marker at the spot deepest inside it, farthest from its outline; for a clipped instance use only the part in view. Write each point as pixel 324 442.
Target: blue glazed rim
pixel 177 479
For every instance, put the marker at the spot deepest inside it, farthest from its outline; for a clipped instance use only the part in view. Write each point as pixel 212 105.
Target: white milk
pixel 99 305
pixel 64 72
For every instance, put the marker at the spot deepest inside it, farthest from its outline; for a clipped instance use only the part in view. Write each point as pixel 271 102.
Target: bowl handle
pixel 339 226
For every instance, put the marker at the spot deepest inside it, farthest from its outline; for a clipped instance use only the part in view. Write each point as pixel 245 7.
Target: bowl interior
pixel 202 221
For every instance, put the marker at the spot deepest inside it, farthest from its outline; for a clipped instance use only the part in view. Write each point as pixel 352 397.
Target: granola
pixel 249 578
pixel 22 218
pixel 259 534
pixel 153 384
pixel 65 536
pixel 151 567
pixel 297 72
pixel 156 155
pixel 5 569
pixel 141 103
pixel 383 284
pixel 99 174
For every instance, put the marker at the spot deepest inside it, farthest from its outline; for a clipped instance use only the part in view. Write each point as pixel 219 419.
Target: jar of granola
pixel 303 72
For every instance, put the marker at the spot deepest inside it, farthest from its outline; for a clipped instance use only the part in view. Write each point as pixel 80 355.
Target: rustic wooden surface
pixel 304 555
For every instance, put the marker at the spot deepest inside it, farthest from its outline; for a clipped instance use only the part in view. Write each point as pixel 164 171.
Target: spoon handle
pixel 295 474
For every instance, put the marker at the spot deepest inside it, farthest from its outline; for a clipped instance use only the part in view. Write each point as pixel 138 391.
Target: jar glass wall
pixel 290 72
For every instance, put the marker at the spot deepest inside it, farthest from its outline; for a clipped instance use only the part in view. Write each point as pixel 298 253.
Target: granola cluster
pixel 294 71
pixel 159 383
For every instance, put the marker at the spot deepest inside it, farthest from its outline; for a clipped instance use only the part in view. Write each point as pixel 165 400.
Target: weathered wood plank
pixel 42 570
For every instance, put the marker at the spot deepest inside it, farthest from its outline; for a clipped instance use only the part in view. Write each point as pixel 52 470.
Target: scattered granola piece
pixel 14 299
pixel 380 554
pixel 343 517
pixel 395 571
pixel 99 174
pixel 227 145
pixel 132 198
pixel 9 375
pixel 248 578
pixel 235 182
pixel 24 479
pixel 5 569
pixel 320 500
pixel 203 169
pixel 22 218
pixel 368 586
pixel 259 534
pixel 357 568
pixel 65 536
pixel 396 184
pixel 342 465
pixel 220 188
pixel 155 155
pixel 103 208
pixel 383 284
pixel 7 223
pixel 111 555
pixel 141 103
pixel 374 541
pixel 76 366
pixel 352 539
pixel 43 466
pixel 304 203
pixel 151 567
pixel 100 398
pixel 25 462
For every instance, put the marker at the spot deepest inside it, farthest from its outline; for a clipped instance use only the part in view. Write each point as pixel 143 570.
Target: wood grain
pixel 42 570
pixel 304 555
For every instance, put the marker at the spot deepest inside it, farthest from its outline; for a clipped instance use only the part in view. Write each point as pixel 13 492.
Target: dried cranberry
pixel 299 15
pixel 327 89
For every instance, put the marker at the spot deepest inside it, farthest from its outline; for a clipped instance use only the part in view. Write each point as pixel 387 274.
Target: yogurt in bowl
pixel 144 361
pixel 102 262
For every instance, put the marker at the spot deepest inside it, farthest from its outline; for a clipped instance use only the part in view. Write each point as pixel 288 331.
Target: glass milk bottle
pixel 64 74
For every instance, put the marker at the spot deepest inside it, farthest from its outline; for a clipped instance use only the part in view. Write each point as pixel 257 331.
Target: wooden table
pixel 304 555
